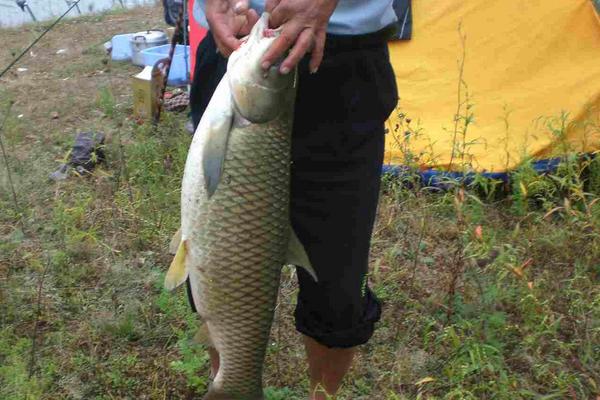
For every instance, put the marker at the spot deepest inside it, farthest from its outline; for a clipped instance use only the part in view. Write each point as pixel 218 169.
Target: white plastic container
pixel 144 40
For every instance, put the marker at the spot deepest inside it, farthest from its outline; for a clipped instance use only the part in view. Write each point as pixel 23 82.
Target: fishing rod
pixel 186 45
pixel 69 2
pixel 22 4
pixel 16 60
pixel 180 24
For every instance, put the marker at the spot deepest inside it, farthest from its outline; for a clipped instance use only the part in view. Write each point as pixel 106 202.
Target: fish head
pixel 259 95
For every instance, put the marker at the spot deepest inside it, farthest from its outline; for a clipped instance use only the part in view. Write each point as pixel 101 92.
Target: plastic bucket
pixel 178 73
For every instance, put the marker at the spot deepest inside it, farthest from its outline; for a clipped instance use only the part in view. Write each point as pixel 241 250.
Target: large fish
pixel 235 229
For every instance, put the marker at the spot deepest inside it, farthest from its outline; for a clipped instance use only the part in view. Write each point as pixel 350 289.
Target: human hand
pixel 228 20
pixel 304 26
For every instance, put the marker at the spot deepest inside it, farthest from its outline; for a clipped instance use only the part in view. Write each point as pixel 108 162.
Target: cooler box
pixel 121 48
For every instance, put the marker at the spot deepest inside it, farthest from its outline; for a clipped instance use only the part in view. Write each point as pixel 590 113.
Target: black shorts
pixel 337 154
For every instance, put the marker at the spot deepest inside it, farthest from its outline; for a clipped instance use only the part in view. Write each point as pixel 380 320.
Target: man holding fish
pixel 345 91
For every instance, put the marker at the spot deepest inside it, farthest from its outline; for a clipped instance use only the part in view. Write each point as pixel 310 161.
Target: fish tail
pixel 215 394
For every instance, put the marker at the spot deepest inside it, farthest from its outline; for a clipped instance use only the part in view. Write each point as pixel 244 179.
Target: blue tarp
pixel 441 179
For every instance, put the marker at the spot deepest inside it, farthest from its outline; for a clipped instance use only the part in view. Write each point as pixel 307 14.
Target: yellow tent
pixel 525 64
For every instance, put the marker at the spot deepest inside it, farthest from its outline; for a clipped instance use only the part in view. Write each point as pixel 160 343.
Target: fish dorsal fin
pixel 296 255
pixel 177 273
pixel 216 128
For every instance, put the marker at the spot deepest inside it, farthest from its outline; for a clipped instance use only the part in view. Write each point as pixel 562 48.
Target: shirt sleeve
pixel 200 13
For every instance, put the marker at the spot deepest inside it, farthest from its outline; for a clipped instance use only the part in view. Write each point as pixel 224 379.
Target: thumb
pixel 251 18
pixel 271 4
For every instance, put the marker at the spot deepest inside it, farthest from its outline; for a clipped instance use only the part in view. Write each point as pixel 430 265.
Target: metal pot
pixel 144 40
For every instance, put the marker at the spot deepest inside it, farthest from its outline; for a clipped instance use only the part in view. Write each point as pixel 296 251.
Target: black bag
pixel 87 150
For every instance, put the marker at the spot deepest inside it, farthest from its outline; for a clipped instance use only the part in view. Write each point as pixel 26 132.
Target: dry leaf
pixel 517 271
pixel 425 380
pixel 526 264
pixel 523 189
pixel 549 213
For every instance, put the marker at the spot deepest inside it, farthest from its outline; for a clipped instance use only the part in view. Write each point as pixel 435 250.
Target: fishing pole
pixel 69 2
pixel 10 181
pixel 167 61
pixel 5 70
pixel 22 4
pixel 186 44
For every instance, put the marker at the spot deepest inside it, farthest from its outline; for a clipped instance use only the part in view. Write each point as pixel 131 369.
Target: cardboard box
pixel 146 91
pixel 170 31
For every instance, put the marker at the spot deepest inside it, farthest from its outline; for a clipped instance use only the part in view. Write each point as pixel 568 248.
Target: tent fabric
pixel 403 11
pixel 526 64
pixel 197 33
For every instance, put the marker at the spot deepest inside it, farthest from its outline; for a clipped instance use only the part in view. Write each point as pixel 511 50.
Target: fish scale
pixel 243 239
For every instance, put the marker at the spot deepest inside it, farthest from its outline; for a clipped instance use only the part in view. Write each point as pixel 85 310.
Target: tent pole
pixel 185 23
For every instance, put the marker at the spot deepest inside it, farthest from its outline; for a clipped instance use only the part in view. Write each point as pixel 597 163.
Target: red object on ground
pixel 197 33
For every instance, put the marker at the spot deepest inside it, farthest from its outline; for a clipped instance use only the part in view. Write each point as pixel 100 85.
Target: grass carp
pixel 235 229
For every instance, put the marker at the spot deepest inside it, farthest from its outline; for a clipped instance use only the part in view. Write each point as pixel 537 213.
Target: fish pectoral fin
pixel 215 147
pixel 296 255
pixel 177 273
pixel 174 243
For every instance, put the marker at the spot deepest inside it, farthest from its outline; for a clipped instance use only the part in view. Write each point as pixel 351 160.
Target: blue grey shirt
pixel 351 17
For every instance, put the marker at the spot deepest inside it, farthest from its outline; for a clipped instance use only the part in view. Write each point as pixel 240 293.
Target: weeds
pixel 3 120
pixel 490 290
pixel 484 270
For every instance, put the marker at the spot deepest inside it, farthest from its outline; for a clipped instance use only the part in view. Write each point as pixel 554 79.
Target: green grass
pixel 490 291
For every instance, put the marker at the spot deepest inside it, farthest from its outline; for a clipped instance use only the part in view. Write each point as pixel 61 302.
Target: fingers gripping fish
pixel 235 230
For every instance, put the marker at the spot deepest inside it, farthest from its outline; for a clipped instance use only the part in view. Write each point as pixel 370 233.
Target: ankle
pixel 321 395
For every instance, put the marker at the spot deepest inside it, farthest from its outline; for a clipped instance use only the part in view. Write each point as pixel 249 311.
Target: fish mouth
pixel 277 63
pixel 274 34
pixel 271 33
